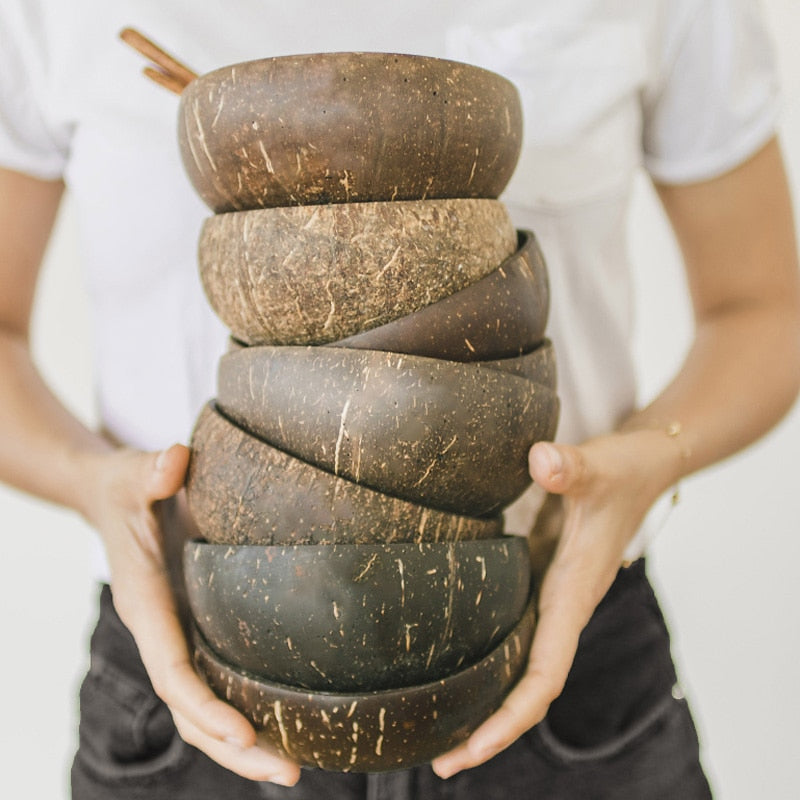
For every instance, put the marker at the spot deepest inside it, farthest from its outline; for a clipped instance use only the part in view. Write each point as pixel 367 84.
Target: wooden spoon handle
pixel 163 79
pixel 170 67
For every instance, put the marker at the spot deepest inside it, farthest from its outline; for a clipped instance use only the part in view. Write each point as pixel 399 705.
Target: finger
pixel 255 763
pixel 563 616
pixel 156 627
pixel 522 709
pixel 165 471
pixel 558 468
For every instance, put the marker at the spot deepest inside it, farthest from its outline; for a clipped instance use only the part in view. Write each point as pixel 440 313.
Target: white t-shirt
pixel 685 88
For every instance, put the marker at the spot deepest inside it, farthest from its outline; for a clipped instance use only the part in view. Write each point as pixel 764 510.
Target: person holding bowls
pixel 684 89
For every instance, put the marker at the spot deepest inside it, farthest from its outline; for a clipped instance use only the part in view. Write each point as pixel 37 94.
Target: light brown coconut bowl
pixel 314 274
pixel 347 127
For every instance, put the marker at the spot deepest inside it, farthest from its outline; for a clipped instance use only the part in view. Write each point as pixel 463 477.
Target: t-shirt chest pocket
pixel 580 88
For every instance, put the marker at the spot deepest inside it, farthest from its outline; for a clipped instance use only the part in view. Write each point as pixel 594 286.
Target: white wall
pixel 725 561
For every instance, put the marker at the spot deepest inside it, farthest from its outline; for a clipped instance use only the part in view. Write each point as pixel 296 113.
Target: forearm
pixel 44 449
pixel 740 376
pixel 742 371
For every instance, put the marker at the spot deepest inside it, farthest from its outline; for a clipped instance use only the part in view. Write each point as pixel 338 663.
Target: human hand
pixel 607 486
pixel 125 485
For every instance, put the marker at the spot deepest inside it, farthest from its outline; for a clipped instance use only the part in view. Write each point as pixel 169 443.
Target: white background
pixel 725 562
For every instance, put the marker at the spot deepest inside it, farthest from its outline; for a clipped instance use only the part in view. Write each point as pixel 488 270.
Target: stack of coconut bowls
pixel 354 594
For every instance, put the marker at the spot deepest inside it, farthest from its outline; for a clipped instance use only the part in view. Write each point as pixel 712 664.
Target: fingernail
pixel 280 780
pixel 234 742
pixel 445 772
pixel 554 460
pixel 161 461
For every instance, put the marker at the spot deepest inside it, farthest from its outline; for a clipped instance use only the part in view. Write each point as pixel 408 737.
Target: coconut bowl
pixel 499 316
pixel 314 274
pixel 347 127
pixel 241 490
pixel 537 365
pixel 444 434
pixel 373 731
pixel 357 617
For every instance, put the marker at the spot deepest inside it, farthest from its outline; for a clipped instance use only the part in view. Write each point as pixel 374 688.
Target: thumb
pixel 557 468
pixel 166 471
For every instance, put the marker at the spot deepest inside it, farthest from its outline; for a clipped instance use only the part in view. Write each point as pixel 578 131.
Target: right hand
pixel 125 485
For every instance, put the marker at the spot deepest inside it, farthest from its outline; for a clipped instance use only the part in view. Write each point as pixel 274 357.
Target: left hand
pixel 607 485
pixel 121 487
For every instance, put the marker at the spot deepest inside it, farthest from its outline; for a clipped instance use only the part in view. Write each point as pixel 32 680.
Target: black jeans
pixel 621 730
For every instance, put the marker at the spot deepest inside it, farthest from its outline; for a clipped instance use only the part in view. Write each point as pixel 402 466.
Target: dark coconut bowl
pixel 499 316
pixel 314 274
pixel 347 127
pixel 241 490
pixel 537 365
pixel 357 617
pixel 448 435
pixel 373 731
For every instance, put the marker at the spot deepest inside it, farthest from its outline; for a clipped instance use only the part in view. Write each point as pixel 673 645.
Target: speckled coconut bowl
pixel 357 617
pixel 499 316
pixel 537 365
pixel 445 434
pixel 241 490
pixel 314 274
pixel 373 731
pixel 347 127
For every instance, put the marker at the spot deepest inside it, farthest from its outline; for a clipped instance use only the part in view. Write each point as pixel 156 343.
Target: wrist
pixel 87 466
pixel 659 456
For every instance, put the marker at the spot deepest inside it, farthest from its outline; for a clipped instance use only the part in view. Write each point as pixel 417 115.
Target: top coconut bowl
pixel 348 127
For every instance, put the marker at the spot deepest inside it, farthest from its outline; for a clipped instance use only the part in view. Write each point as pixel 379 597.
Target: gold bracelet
pixel 673 430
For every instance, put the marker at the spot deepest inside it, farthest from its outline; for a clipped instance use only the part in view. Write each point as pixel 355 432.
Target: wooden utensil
pixel 168 72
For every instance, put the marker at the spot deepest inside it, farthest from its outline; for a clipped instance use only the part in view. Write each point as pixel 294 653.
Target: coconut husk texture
pixel 347 127
pixel 500 316
pixel 373 731
pixel 241 490
pixel 315 274
pixel 357 617
pixel 443 434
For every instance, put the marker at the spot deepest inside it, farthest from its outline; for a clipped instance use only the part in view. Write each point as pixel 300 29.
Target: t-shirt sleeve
pixel 715 98
pixel 28 141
